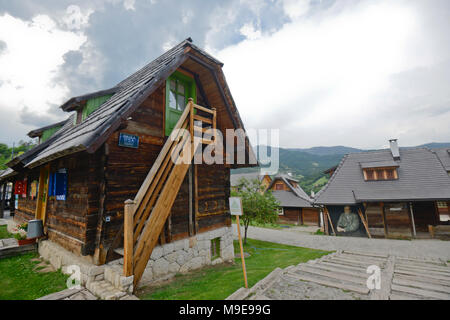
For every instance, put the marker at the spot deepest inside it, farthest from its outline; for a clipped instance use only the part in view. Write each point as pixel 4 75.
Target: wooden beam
pixel 384 219
pixel 364 223
pixel 128 242
pixel 329 219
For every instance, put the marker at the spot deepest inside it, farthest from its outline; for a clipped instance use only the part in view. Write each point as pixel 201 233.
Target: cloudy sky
pixel 324 72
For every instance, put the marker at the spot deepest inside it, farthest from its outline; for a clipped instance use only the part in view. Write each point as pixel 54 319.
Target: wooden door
pixel 42 198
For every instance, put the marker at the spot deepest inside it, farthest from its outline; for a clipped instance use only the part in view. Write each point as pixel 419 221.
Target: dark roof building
pixel 410 181
pixel 295 203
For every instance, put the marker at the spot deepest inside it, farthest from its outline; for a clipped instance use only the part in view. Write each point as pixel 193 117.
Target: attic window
pixel 377 174
pixel 278 186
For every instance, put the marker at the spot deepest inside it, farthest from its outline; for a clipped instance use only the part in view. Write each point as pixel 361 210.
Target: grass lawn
pixel 4 234
pixel 19 279
pixel 218 282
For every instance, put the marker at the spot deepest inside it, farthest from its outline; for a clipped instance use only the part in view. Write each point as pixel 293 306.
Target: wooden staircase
pixel 145 216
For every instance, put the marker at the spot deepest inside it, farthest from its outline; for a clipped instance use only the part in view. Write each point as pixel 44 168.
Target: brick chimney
pixel 394 149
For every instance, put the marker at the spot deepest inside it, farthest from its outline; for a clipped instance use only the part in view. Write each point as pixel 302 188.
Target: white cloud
pixel 319 78
pixel 249 31
pixel 34 52
pixel 129 4
pixel 295 8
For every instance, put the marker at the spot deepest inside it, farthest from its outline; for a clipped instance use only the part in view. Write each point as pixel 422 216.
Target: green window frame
pixel 179 88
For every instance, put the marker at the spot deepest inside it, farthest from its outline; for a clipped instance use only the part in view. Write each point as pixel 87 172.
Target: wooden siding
pixel 291 215
pixel 310 217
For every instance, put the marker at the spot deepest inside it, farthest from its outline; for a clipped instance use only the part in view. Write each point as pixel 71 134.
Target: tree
pixel 258 206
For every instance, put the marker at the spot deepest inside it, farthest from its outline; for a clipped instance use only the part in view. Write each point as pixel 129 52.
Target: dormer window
pixel 380 170
pixel 376 174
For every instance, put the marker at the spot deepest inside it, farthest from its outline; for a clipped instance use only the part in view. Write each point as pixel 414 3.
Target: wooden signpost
pixel 236 210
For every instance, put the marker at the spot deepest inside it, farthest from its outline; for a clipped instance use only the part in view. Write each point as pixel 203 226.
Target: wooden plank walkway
pixel 346 272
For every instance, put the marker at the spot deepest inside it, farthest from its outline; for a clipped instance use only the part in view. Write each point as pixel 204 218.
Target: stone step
pixel 421 274
pixel 105 291
pixel 367 254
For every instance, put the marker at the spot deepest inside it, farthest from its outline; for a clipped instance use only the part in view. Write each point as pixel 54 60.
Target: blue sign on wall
pixel 128 140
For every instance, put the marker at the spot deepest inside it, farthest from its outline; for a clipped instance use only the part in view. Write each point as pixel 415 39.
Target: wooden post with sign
pixel 236 210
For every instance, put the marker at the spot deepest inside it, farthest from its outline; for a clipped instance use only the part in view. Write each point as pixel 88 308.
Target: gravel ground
pixel 426 248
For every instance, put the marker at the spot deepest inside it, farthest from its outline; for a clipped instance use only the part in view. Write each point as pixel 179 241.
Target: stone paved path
pixel 343 275
pixel 79 294
pixel 423 248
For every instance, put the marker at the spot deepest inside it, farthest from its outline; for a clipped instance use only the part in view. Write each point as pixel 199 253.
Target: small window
pixel 279 186
pixel 280 211
pixel 380 174
pixel 215 248
pixel 177 96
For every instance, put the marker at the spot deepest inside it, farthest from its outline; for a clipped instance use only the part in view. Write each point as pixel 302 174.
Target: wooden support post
pixel 238 225
pixel 329 219
pixel 384 219
pixel 128 265
pixel 412 219
pixel 364 223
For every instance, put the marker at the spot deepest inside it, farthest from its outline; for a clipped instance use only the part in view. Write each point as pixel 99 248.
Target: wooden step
pixel 421 285
pixel 329 283
pixel 334 275
pixel 420 292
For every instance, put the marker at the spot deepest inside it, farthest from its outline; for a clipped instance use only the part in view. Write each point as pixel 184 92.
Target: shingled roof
pixel 294 198
pixel 421 176
pixel 444 156
pixel 90 134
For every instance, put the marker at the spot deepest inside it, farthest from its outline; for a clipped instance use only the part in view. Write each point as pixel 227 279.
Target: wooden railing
pixel 145 216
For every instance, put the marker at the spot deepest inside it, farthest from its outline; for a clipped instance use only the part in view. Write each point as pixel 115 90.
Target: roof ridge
pixel 333 176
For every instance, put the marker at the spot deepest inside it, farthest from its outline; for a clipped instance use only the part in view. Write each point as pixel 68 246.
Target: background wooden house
pixel 296 205
pixel 397 192
pixel 115 146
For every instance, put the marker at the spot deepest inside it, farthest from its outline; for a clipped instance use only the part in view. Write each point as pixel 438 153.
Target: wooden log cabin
pixel 295 205
pixel 120 144
pixel 395 192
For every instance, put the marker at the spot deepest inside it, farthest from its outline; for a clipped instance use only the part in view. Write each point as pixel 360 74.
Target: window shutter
pixel 60 185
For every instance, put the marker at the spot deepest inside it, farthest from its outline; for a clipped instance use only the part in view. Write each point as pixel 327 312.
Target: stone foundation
pixel 182 256
pixel 188 254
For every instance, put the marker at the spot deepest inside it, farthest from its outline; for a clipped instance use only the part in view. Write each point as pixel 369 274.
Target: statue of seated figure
pixel 348 222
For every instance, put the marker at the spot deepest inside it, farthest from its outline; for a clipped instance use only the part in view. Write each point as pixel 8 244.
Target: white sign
pixel 235 206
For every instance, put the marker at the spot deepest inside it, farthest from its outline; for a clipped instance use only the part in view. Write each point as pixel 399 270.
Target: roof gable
pixel 128 95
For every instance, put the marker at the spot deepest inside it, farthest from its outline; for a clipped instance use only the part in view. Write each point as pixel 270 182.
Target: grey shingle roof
pixel 297 192
pixel 379 164
pixel 128 95
pixel 421 177
pixel 444 155
pixel 289 199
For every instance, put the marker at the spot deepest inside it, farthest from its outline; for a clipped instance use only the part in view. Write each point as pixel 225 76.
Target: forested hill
pixel 7 152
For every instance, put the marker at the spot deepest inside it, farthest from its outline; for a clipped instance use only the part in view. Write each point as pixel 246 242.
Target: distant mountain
pixel 436 145
pixel 324 151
